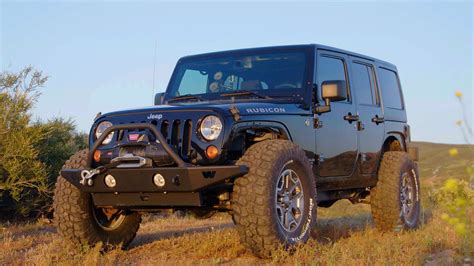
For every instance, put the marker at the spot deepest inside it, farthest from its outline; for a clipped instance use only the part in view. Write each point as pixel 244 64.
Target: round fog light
pixel 159 180
pixel 110 181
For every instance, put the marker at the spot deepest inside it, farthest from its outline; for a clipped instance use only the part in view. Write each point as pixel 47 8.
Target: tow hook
pixel 87 176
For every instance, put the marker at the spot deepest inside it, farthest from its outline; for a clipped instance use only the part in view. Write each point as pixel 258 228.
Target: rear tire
pixel 395 201
pixel 275 203
pixel 81 223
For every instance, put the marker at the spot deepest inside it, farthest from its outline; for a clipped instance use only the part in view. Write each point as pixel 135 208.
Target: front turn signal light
pixel 212 152
pixel 97 156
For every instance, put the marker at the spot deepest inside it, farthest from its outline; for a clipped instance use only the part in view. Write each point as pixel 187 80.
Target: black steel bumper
pixel 177 179
pixel 135 188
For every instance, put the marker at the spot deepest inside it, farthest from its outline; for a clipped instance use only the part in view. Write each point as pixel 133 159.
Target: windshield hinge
pixel 235 112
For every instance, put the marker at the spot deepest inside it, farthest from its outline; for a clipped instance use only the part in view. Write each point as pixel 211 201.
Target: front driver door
pixel 336 137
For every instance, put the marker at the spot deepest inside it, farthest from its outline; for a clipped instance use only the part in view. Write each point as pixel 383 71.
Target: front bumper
pixel 177 179
pixel 135 188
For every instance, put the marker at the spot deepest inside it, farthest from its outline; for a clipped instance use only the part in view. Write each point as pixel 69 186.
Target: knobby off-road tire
pixel 257 197
pixel 79 222
pixel 398 186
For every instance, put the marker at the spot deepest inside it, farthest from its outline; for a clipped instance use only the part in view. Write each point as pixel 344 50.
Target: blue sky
pixel 99 56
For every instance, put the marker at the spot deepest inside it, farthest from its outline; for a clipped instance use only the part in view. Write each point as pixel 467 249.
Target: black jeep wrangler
pixel 266 134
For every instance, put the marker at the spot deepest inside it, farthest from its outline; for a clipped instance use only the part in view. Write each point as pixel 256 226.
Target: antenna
pixel 154 71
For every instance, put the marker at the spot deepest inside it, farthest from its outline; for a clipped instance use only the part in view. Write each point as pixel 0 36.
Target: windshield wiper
pixel 186 97
pixel 245 93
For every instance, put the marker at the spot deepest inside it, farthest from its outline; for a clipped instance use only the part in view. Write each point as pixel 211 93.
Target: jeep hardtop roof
pixel 298 46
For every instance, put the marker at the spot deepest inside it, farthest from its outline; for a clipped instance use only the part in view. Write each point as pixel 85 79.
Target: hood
pixel 179 123
pixel 221 107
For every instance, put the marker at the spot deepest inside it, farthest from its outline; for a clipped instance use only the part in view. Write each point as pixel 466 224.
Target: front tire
pixel 395 201
pixel 81 223
pixel 275 203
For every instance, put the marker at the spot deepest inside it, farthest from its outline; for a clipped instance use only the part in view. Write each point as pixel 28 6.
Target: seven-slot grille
pixel 177 132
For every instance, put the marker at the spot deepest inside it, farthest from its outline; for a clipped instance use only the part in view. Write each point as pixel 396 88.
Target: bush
pixel 31 154
pixel 60 142
pixel 23 181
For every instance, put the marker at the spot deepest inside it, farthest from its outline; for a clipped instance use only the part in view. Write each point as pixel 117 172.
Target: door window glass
pixel 362 79
pixel 330 68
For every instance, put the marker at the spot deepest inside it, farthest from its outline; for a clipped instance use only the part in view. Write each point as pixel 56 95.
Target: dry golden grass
pixel 344 235
pixel 350 239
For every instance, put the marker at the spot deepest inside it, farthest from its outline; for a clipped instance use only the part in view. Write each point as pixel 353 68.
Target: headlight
pixel 101 128
pixel 211 127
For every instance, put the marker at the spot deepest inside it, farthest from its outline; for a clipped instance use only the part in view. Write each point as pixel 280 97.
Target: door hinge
pixel 316 122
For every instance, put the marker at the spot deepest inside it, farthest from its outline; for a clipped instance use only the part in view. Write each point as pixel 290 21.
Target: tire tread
pixel 72 212
pixel 251 211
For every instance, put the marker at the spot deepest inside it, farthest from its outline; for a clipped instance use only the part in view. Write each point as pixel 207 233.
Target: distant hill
pixel 436 165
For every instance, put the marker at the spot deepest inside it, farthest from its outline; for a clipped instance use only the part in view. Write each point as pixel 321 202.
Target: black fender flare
pixel 237 128
pixel 399 136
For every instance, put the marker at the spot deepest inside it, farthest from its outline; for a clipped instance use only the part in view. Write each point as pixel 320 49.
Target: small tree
pixel 23 175
pixel 60 142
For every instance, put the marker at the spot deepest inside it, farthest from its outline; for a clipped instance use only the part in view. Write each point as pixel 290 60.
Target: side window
pixel 390 88
pixel 330 68
pixel 193 82
pixel 363 81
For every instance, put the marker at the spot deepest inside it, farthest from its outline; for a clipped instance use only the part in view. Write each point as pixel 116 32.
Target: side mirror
pixel 332 91
pixel 159 98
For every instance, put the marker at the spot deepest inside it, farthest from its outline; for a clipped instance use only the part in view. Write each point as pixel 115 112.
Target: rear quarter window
pixel 390 87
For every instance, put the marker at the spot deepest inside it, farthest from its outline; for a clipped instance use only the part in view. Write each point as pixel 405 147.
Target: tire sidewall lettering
pixel 417 186
pixel 307 225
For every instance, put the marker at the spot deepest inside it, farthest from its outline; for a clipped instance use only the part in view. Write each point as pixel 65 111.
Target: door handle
pixel 351 118
pixel 377 120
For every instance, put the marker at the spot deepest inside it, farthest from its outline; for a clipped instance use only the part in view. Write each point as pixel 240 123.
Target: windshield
pixel 227 75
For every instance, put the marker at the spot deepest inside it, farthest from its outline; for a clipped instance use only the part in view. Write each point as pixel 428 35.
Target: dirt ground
pixel 344 235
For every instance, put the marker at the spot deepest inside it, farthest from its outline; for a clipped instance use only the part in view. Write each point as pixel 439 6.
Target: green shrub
pixel 31 154
pixel 60 142
pixel 23 175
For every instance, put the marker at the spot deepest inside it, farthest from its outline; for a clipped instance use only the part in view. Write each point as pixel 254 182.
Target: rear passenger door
pixel 371 120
